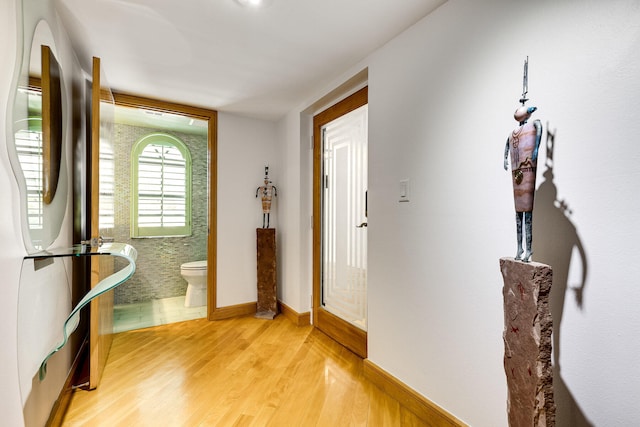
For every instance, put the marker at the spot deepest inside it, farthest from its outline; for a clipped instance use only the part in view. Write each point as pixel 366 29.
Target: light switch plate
pixel 404 191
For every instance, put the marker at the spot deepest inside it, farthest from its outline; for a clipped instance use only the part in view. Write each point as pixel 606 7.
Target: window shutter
pixel 163 191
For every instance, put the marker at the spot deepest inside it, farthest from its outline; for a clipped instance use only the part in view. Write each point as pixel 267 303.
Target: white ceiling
pixel 220 55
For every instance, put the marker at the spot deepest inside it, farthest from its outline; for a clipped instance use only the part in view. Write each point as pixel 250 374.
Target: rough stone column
pixel 527 343
pixel 266 263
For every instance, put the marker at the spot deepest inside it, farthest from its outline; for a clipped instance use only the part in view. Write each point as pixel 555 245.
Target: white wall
pixel 29 400
pixel 295 234
pixel 245 146
pixel 441 99
pixel 11 249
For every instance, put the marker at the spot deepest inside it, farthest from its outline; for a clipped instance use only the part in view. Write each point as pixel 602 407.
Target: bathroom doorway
pixel 156 293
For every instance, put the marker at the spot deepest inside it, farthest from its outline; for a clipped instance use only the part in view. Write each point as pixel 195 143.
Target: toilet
pixel 195 273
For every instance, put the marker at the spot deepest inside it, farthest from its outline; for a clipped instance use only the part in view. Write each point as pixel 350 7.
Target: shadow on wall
pixel 554 244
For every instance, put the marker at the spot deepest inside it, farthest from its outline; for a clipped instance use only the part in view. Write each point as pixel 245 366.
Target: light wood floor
pixel 237 372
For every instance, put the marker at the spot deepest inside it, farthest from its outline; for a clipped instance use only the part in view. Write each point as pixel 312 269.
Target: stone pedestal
pixel 527 343
pixel 267 300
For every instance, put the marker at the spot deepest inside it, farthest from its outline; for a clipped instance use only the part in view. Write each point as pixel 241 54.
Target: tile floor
pixel 127 317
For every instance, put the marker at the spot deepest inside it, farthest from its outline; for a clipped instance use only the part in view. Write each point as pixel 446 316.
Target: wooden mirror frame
pixel 51 124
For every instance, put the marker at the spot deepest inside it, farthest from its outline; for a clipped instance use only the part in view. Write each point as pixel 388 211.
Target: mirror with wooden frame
pixel 36 151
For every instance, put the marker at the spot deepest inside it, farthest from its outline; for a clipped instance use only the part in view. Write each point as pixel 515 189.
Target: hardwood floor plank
pixel 235 372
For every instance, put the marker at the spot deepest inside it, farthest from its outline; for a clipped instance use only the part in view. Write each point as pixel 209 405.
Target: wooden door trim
pixel 95 141
pixel 211 116
pixel 98 343
pixel 353 337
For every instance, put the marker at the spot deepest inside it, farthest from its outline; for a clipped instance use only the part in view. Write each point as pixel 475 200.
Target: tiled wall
pixel 158 266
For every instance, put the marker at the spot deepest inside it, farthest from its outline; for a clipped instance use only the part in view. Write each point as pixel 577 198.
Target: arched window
pixel 161 187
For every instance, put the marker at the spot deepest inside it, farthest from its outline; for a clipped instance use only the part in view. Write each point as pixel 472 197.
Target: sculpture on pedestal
pixel 267 192
pixel 523 143
pixel 267 304
pixel 528 326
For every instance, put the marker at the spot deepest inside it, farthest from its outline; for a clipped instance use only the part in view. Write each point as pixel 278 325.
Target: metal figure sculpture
pixel 267 192
pixel 523 143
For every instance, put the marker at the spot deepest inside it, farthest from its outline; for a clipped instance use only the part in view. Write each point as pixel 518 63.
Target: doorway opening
pixel 156 293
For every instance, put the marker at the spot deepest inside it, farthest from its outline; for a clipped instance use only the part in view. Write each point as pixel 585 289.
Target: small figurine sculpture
pixel 266 191
pixel 524 142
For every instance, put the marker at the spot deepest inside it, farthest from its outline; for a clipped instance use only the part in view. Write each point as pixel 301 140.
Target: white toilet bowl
pixel 195 273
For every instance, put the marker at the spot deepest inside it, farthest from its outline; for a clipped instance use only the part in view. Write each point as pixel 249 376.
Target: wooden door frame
pixel 101 311
pixel 211 116
pixel 347 334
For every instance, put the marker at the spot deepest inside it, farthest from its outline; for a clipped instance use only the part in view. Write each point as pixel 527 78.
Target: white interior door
pixel 344 221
